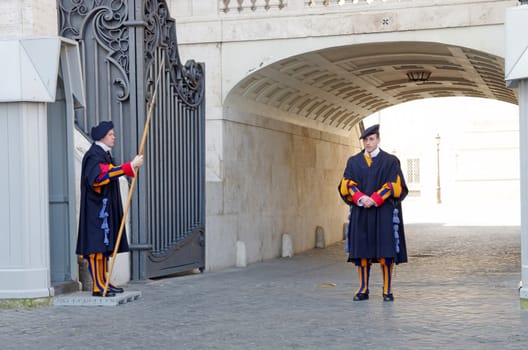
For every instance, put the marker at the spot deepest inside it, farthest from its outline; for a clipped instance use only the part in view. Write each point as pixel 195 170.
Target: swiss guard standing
pixel 101 210
pixel 373 186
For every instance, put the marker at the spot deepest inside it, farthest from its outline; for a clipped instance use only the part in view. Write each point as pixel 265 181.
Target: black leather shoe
pixel 109 293
pixel 388 297
pixel 361 296
pixel 115 289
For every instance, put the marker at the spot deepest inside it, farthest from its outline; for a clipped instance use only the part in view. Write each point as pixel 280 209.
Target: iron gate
pixel 122 44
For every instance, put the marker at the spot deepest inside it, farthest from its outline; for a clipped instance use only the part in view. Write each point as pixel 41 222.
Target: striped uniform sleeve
pixel 388 189
pixel 110 171
pixel 350 192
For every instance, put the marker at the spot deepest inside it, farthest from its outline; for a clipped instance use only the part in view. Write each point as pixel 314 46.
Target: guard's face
pixel 109 139
pixel 370 143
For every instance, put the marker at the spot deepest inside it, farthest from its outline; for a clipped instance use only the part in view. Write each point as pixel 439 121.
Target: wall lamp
pixel 419 75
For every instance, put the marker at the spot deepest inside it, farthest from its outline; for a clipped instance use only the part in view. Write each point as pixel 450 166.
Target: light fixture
pixel 418 75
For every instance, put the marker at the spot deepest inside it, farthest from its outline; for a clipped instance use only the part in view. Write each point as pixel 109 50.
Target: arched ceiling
pixel 333 89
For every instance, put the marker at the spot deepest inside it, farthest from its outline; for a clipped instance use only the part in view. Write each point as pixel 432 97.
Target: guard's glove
pixel 137 161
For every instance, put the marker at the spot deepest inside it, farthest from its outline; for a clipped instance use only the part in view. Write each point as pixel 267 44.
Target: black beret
pixel 374 129
pixel 100 131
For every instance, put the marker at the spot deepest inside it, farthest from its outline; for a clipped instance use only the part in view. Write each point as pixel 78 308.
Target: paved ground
pixel 459 291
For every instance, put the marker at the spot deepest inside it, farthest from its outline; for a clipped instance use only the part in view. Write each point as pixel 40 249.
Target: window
pixel 413 170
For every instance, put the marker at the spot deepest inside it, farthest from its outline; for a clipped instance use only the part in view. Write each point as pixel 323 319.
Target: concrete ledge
pixel 86 299
pixel 24 303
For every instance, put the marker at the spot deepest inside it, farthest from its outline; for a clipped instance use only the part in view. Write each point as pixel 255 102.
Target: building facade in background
pixel 459 155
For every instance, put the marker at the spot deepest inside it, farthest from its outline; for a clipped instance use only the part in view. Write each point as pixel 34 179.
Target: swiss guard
pixel 101 210
pixel 373 186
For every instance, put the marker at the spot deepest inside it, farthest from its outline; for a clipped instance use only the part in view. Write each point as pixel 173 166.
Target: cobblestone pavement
pixel 458 291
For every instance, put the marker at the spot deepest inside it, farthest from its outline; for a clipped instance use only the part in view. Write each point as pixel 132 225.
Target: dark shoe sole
pixel 100 294
pixel 361 296
pixel 388 297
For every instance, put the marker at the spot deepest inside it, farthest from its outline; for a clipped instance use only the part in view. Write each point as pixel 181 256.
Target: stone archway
pixel 290 126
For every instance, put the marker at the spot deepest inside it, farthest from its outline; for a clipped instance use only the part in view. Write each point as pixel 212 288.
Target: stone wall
pixel 22 18
pixel 278 178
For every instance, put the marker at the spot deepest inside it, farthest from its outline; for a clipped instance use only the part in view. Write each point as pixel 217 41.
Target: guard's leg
pixel 387 267
pixel 111 287
pixel 362 292
pixel 95 266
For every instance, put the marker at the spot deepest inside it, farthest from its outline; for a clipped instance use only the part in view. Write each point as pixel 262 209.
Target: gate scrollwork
pixel 160 31
pixel 105 20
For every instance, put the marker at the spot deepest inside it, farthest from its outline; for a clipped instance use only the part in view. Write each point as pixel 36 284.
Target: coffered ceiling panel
pixel 333 89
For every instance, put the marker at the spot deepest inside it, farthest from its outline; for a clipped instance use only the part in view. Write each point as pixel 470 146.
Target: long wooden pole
pixel 134 179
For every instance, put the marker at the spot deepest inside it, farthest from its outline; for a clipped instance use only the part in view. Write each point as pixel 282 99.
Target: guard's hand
pixel 137 161
pixel 367 202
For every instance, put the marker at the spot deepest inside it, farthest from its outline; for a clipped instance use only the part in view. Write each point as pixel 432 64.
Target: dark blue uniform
pixel 101 214
pixel 101 210
pixel 371 230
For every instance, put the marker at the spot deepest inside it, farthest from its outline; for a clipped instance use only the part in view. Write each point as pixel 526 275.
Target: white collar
pixel 373 153
pixel 103 146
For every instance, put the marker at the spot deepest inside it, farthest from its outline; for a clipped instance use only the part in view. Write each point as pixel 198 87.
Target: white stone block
pixel 241 255
pixel 320 240
pixel 287 246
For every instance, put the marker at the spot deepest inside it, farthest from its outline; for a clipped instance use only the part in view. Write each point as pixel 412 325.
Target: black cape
pixel 91 234
pixel 370 232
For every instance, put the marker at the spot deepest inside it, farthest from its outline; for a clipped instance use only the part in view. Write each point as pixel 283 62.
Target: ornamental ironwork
pixel 123 44
pixel 160 31
pixel 106 20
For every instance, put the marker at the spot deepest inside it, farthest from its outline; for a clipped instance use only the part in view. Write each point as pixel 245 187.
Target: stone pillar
pixel 516 74
pixel 24 206
pixel 523 152
pixel 24 211
pixel 29 68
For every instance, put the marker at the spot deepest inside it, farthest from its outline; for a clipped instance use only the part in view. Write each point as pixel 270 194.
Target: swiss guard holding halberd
pixel 101 210
pixel 373 186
